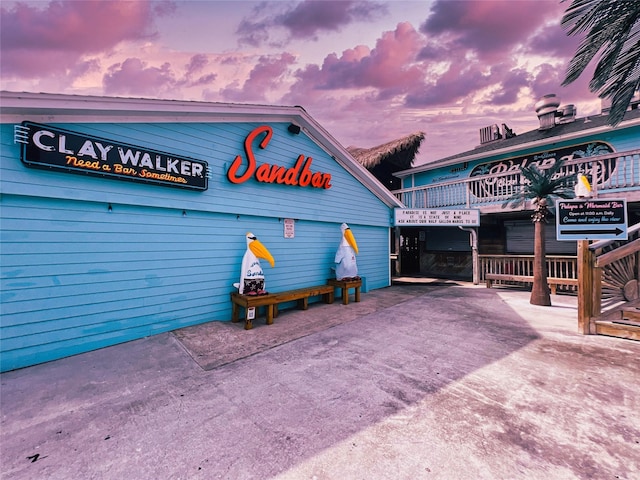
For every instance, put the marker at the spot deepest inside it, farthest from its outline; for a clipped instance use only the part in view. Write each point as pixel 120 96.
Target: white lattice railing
pixel 614 172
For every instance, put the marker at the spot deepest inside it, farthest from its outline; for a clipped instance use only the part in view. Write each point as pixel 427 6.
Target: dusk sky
pixel 369 72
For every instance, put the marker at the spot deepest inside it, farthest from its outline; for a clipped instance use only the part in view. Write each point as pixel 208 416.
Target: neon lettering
pixel 300 174
pixel 37 140
pixel 233 169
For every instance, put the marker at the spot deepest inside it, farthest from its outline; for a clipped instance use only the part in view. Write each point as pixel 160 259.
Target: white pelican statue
pixel 347 267
pixel 583 187
pixel 251 274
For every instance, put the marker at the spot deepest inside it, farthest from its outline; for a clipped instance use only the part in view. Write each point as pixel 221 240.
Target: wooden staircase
pixel 609 286
pixel 627 326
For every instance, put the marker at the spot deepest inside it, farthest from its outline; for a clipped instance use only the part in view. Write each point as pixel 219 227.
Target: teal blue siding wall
pixel 217 144
pixel 76 276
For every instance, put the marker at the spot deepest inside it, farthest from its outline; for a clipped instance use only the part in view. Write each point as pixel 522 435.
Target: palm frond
pixel 537 184
pixel 612 30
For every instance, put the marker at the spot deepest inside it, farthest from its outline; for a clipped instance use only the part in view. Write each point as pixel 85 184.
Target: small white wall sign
pixel 289 228
pixel 425 217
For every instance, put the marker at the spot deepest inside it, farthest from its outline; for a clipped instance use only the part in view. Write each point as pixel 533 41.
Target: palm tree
pixel 613 33
pixel 542 186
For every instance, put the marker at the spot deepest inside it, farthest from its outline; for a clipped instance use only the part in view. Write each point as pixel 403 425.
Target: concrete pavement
pixel 442 380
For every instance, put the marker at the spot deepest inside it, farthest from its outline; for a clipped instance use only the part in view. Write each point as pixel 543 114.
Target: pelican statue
pixel 347 267
pixel 251 274
pixel 583 187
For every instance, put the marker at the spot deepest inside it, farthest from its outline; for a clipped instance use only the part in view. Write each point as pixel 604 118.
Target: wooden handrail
pixel 618 253
pixel 631 231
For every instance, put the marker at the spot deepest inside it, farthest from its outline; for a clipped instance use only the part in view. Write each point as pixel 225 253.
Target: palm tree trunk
pixel 540 294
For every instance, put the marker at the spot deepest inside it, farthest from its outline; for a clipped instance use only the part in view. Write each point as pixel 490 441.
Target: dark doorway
pixel 410 252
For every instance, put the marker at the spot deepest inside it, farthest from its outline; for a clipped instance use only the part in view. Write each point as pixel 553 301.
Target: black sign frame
pixel 54 148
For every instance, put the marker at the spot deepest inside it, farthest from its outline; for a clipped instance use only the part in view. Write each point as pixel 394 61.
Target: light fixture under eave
pixel 109 208
pixel 293 128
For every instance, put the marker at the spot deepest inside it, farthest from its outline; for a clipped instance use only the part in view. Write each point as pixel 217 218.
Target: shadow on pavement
pixel 419 381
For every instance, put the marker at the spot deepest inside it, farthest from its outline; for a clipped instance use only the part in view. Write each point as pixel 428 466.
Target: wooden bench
pixel 345 285
pixel 552 281
pixel 271 300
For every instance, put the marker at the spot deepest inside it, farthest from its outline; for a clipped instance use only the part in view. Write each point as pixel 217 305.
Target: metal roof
pixel 535 138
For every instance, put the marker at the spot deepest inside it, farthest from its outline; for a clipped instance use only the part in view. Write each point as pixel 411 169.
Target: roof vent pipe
pixel 546 110
pixel 566 114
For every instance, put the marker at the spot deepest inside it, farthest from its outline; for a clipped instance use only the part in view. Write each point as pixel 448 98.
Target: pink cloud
pixel 56 37
pixel 389 67
pixel 400 65
pixel 312 16
pixel 512 81
pixel 489 27
pixel 306 19
pixel 464 51
pixel 458 82
pixel 134 77
pixel 549 79
pixel 203 81
pixel 391 64
pixel 552 41
pixel 267 75
pixel 196 64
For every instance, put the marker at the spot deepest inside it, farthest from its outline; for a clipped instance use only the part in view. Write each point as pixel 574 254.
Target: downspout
pixel 475 260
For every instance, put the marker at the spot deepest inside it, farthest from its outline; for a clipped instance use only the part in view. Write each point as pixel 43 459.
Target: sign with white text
pixel 289 228
pixel 419 217
pixel 53 148
pixel 591 220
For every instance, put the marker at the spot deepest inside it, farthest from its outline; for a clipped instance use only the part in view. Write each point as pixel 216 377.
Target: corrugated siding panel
pixel 76 276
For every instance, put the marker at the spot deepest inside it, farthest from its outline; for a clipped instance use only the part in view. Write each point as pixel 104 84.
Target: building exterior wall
pixel 472 180
pixel 617 140
pixel 91 261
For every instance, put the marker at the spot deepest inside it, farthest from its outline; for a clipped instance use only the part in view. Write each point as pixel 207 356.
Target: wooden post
pixel 585 287
pixel 596 297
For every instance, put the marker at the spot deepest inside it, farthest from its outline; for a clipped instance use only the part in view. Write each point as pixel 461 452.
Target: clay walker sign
pixel 53 148
pixel 300 174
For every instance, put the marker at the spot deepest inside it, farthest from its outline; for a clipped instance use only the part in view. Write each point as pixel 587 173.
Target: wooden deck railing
pixel 614 172
pixel 558 266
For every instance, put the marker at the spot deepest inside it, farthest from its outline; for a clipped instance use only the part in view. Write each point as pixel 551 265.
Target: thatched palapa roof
pixel 384 160
pixel 400 153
